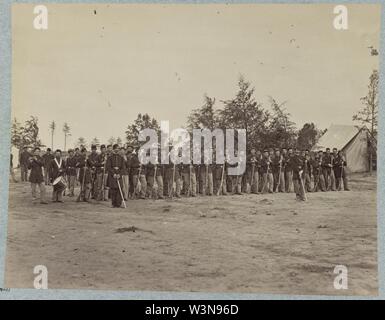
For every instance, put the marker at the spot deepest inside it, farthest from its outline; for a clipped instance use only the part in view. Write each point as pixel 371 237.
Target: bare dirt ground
pixel 241 244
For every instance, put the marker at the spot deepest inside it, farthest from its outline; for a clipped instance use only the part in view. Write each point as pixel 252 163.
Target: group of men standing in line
pixel 116 173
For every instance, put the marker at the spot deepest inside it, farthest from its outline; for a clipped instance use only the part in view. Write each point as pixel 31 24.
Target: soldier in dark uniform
pixel 47 159
pixel 219 177
pixel 71 172
pixel 288 170
pixel 77 157
pixel 267 173
pixel 173 176
pixel 297 166
pixel 125 176
pixel 130 170
pixel 84 176
pixel 319 181
pixel 339 165
pixel 307 172
pixel 57 169
pixel 101 174
pixel 35 164
pixel 327 166
pixel 136 172
pixel 24 162
pixel 278 173
pixel 115 165
pixel 189 179
pixel 250 171
pixel 206 179
pixel 93 163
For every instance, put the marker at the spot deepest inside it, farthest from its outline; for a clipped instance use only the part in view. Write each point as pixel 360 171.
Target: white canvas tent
pixel 353 141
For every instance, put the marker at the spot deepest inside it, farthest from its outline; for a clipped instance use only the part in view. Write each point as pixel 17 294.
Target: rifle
pixel 318 175
pixel 222 176
pixel 341 175
pixel 103 178
pixel 206 179
pixel 82 185
pixel 267 173
pixel 252 173
pixel 138 185
pixel 172 185
pixel 155 185
pixel 279 175
pixel 190 181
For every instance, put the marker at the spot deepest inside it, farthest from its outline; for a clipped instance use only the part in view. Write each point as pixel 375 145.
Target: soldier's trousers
pixel 24 173
pixel 319 183
pixel 85 192
pixel 307 182
pixel 341 178
pixel 217 186
pixel 71 180
pixel 46 176
pixel 206 185
pixel 289 181
pixel 125 186
pixel 299 189
pixel 268 183
pixel 12 174
pixel 329 179
pixel 57 194
pixel 41 187
pixel 279 181
pixel 155 191
pixel 139 191
pixel 236 184
pixel 170 189
pixel 101 186
pixel 116 198
pixel 251 182
pixel 190 188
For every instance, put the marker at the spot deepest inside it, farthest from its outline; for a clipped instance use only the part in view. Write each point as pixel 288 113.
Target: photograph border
pixel 5 125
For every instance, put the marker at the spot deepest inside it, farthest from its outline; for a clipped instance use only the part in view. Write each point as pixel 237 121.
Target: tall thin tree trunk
pixel 52 140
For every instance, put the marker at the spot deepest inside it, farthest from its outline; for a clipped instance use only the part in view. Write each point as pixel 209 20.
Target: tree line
pixel 265 127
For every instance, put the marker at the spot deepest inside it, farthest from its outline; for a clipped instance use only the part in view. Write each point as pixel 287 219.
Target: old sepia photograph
pixel 207 148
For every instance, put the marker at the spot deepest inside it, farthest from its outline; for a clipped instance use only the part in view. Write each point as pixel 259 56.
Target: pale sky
pixel 98 71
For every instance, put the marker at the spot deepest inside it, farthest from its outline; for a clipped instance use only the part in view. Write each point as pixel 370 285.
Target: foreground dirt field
pixel 243 244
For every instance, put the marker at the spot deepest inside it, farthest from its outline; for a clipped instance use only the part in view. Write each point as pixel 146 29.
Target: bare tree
pixel 66 130
pixel 52 127
pixel 368 115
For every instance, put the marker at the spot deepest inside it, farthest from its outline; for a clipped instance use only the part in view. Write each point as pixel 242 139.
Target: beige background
pixel 97 72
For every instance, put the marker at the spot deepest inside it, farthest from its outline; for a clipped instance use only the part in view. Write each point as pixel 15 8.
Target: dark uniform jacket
pixel 47 159
pixel 316 166
pixel 71 166
pixel 251 162
pixel 100 167
pixel 36 164
pixel 84 171
pixel 266 165
pixel 93 161
pixel 55 170
pixel 115 165
pixel 24 157
pixel 327 160
pixel 288 161
pixel 134 164
pixel 297 165
pixel 277 164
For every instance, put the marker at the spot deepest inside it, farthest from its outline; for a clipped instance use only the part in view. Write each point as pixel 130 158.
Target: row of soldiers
pixel 116 173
